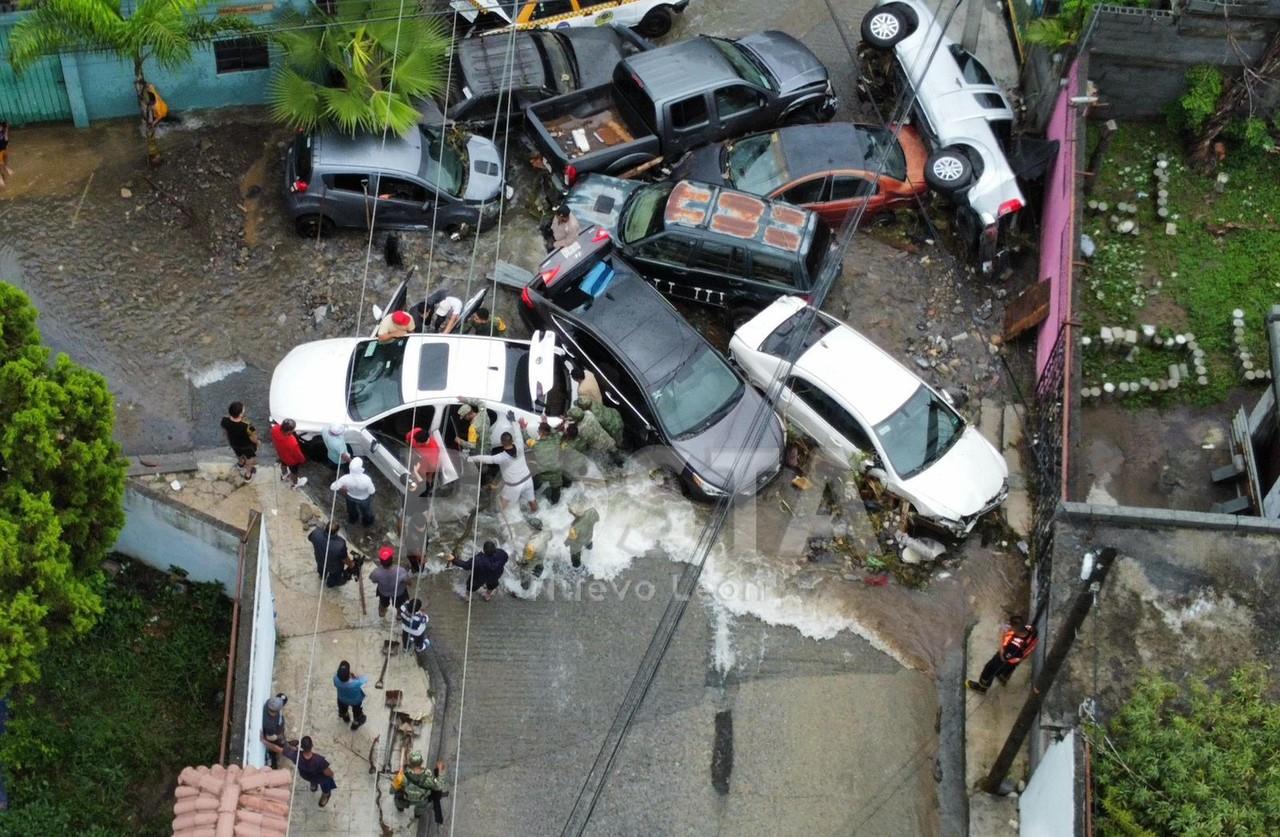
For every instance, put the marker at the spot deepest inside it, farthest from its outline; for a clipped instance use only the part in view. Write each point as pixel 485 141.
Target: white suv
pixel 856 401
pixel 963 114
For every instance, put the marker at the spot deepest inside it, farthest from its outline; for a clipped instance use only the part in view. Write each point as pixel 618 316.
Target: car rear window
pixel 515 388
pixel 302 156
pixel 970 67
pixel 433 366
pixel 791 336
pixel 819 245
pixel 881 145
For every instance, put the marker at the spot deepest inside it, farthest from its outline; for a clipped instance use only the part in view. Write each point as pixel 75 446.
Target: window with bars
pixel 233 55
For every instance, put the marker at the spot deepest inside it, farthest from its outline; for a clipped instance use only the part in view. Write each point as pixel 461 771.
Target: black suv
pixel 671 386
pixel 706 243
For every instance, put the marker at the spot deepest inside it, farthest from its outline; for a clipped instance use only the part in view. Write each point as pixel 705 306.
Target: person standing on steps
pixel 330 549
pixel 243 439
pixel 413 626
pixel 312 766
pixel 486 569
pixel 350 695
pixel 415 787
pixel 1015 646
pixel 273 726
pixel 391 581
pixel 335 444
pixel 358 488
pixel 289 452
pixel 582 530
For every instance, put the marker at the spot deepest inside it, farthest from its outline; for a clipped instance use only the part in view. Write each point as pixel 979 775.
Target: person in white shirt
pixel 448 312
pixel 517 482
pixel 356 486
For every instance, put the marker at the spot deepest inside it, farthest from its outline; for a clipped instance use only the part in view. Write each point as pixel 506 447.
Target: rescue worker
pixel 564 229
pixel 1015 646
pixel 483 323
pixel 426 459
pixel 582 530
pixel 415 786
pixel 477 429
pixel 588 386
pixel 591 436
pixel 609 418
pixel 486 568
pixel 517 481
pixel 533 558
pixel 547 468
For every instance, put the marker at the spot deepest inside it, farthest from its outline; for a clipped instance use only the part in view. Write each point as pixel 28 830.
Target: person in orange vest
pixel 1015 646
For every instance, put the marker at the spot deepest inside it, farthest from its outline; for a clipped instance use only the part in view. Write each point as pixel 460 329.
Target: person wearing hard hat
pixel 415 787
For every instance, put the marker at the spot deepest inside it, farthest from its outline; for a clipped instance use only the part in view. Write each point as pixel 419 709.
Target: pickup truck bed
pixel 590 129
pixel 578 136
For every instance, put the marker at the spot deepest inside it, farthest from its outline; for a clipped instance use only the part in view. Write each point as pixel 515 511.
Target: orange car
pixel 830 168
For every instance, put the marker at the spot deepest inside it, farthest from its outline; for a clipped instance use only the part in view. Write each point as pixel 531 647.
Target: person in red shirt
pixel 289 452
pixel 425 457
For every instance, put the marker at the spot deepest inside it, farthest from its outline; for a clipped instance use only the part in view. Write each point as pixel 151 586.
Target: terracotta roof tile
pixel 231 802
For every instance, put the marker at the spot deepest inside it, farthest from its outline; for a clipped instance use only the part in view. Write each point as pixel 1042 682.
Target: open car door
pixel 469 307
pixel 389 459
pixel 551 390
pixel 396 303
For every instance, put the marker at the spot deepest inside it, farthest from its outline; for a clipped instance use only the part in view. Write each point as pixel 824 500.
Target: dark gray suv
pixel 413 182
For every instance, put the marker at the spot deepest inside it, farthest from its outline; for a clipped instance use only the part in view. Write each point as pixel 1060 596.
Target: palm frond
pixel 204 29
pixel 418 74
pixel 89 25
pixel 348 110
pixel 392 111
pixel 295 100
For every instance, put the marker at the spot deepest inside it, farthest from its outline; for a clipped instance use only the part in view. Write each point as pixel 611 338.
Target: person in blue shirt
pixel 350 695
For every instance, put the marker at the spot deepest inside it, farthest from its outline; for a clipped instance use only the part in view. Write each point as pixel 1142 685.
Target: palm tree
pixel 359 67
pixel 164 31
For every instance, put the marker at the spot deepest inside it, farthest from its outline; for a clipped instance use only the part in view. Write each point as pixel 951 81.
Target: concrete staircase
pixel 1002 425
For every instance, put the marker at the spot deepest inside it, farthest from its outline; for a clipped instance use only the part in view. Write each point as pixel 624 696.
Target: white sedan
pixel 858 403
pixel 381 391
pixel 651 18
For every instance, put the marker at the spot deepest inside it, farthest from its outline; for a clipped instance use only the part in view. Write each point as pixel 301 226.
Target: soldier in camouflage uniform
pixel 415 786
pixel 475 439
pixel 609 418
pixel 533 559
pixel 592 438
pixel 547 468
pixel 582 531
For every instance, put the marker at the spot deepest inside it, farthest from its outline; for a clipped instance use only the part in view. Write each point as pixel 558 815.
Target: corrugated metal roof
pixel 738 215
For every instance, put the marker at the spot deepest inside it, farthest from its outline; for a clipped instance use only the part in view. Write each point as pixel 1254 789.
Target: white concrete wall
pixel 162 534
pixel 261 613
pixel 1048 806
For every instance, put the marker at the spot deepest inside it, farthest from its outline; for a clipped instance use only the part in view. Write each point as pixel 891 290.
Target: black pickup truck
pixel 666 101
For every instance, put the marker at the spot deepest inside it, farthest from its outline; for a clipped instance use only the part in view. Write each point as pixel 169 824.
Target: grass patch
pixel 1190 281
pixel 95 747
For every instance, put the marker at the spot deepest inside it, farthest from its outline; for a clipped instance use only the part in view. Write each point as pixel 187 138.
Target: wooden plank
pixel 1027 311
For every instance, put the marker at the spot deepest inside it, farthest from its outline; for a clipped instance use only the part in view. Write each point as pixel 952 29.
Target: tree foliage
pixel 361 68
pixel 61 492
pixel 1066 27
pixel 164 31
pixel 1198 760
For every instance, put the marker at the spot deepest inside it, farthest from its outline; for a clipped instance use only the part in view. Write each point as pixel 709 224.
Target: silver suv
pixel 412 182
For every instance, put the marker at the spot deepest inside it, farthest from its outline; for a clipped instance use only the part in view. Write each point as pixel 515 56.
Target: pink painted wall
pixel 1058 234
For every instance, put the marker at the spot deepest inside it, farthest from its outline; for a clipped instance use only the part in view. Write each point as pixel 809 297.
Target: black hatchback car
pixel 708 244
pixel 671 386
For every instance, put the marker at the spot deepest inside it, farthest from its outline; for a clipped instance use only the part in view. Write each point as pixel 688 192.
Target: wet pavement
pixel 185 286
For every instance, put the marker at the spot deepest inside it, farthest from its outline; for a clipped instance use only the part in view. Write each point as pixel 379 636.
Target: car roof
pixel 859 372
pixel 487 66
pixel 814 149
pixel 475 367
pixel 633 314
pixel 735 214
pixel 681 69
pixel 366 152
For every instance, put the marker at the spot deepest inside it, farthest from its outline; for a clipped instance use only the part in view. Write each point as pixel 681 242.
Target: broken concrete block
pixel 1106 335
pixel 1148 333
pixel 1170 228
pixel 1131 336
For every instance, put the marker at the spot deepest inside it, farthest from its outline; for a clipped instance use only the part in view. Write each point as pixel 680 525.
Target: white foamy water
pixel 215 372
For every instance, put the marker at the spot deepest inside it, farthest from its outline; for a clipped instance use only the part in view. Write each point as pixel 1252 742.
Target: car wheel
pixel 313 226
pixel 656 23
pixel 884 26
pixel 948 171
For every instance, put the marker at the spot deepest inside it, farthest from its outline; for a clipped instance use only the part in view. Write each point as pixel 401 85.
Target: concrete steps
pixel 988 719
pixel 1003 426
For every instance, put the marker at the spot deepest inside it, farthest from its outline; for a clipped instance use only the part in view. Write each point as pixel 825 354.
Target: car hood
pixel 701 164
pixel 967 479
pixel 308 385
pixel 792 64
pixel 597 200
pixel 714 452
pixel 484 176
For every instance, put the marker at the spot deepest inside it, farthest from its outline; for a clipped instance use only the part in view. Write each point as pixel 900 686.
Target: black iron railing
pixel 1048 417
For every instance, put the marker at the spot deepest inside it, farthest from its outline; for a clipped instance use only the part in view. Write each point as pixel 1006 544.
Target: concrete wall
pixel 161 533
pixel 1139 57
pixel 258 622
pixel 1048 807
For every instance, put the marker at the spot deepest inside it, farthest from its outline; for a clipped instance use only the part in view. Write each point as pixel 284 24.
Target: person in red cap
pixel 395 325
pixel 390 580
pixel 289 452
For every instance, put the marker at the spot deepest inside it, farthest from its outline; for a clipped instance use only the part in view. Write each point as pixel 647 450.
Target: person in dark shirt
pixel 243 439
pixel 312 766
pixel 486 568
pixel 330 552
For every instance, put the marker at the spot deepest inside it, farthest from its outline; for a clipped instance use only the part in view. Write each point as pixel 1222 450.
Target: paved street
pixel 185 287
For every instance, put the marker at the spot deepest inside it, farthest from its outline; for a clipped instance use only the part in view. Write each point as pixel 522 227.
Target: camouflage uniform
pixel 478 430
pixel 609 418
pixel 534 556
pixel 547 466
pixel 591 436
pixel 415 786
pixel 582 532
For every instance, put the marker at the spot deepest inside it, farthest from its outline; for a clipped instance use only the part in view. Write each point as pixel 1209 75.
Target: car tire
pixel 656 23
pixel 313 226
pixel 948 170
pixel 884 26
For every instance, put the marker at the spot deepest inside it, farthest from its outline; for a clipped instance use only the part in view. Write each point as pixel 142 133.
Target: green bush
pixel 1193 109
pixel 1198 759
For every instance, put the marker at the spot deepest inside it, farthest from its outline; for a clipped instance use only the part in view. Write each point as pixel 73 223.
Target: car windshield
pixel 443 165
pixel 756 164
pixel 702 389
pixel 919 433
pixel 880 145
pixel 642 214
pixel 743 64
pixel 374 374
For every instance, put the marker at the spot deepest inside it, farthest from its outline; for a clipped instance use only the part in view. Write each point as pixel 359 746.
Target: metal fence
pixel 1048 419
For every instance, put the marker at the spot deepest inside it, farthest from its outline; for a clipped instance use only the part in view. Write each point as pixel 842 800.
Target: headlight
pixel 704 486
